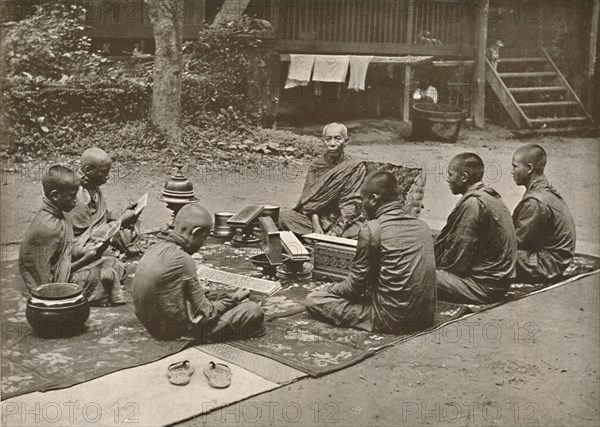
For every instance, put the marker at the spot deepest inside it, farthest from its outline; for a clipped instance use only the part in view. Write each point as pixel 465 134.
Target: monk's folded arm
pixel 527 220
pixel 357 281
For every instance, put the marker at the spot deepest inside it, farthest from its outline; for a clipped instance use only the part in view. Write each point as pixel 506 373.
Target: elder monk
pixel 169 298
pixel 91 217
pixel 476 252
pixel 391 286
pixel 47 253
pixel 330 201
pixel 543 223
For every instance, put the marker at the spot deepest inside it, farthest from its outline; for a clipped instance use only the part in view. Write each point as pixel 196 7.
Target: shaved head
pixel 471 164
pixel 191 217
pixel 534 154
pixel 59 178
pixel 383 184
pixel 95 157
pixel 336 127
pixel 95 165
pixel 61 185
pixel 379 188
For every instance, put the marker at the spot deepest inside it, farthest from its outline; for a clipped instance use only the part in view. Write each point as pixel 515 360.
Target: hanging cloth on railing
pixel 358 71
pixel 331 68
pixel 301 67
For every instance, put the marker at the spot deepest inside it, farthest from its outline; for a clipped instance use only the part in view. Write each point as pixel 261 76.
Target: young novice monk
pixel 544 225
pixel 476 252
pixel 391 285
pixel 47 251
pixel 171 302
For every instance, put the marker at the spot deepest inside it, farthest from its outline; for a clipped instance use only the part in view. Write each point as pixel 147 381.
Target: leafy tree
pixel 51 43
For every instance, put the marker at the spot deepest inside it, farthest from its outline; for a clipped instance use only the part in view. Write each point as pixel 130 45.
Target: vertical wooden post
pixel 410 18
pixel 275 13
pixel 406 95
pixel 591 65
pixel 478 106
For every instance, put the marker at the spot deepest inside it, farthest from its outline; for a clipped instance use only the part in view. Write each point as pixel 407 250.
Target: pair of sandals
pixel 218 374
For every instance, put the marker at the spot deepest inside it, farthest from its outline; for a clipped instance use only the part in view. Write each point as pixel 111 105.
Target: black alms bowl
pixel 57 310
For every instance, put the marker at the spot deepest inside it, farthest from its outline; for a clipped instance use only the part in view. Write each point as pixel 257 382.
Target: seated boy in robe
pixel 170 300
pixel 391 287
pixel 47 255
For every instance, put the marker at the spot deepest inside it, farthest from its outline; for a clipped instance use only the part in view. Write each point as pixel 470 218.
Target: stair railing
pixel 566 84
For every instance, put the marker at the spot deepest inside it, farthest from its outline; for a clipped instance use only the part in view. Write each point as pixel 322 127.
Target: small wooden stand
pixel 242 220
pixel 297 266
pixel 333 255
pixel 271 245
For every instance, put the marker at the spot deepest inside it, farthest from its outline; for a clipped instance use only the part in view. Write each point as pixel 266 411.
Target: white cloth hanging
pixel 301 67
pixel 358 71
pixel 331 68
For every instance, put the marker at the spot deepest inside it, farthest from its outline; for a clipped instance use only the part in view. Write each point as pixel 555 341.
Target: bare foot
pixel 117 297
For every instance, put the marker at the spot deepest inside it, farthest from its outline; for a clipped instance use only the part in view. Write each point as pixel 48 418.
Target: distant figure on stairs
pixel 493 53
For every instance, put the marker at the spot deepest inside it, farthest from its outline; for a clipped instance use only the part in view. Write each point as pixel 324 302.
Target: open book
pixel 114 229
pixel 262 286
pixel 141 204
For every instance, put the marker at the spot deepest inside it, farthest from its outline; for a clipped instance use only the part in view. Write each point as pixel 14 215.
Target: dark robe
pixel 170 300
pixel 478 240
pixel 391 287
pixel 91 219
pixel 47 253
pixel 331 191
pixel 545 233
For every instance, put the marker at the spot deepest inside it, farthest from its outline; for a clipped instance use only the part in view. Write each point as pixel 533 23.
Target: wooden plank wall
pixel 380 27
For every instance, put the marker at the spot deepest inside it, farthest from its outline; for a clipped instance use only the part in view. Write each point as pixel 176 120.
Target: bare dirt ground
pixel 535 361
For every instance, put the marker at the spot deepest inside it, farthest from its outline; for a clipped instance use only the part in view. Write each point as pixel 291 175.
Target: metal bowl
pixel 221 229
pixel 57 310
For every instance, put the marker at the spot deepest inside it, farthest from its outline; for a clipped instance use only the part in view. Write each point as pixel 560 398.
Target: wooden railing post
pixel 478 106
pixel 410 18
pixel 592 60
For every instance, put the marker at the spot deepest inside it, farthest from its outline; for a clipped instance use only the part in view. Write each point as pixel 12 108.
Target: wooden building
pixel 456 33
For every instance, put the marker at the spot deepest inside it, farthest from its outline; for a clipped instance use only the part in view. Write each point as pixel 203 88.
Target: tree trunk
pixel 230 10
pixel 478 105
pixel 166 17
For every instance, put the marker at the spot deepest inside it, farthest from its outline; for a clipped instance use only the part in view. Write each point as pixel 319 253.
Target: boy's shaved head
pixel 59 178
pixel 470 163
pixel 379 188
pixel 534 154
pixel 382 183
pixel 190 217
pixel 193 223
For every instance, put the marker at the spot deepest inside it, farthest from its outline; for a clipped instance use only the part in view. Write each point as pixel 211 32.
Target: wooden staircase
pixel 536 95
